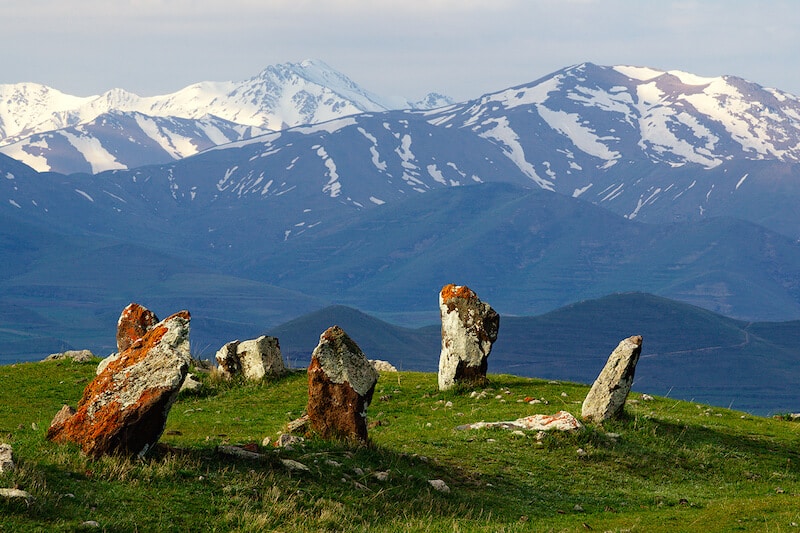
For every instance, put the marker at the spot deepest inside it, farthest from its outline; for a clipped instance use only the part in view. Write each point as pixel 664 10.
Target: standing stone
pixel 254 358
pixel 469 327
pixel 607 396
pixel 124 409
pixel 133 323
pixel 341 381
pixel 6 458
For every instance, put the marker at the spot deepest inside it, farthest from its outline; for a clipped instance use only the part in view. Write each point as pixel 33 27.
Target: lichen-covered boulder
pixel 253 358
pixel 341 381
pixel 134 321
pixel 606 398
pixel 469 328
pixel 124 409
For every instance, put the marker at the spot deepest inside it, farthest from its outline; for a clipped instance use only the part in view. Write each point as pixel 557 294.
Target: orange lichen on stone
pixel 132 325
pixel 451 291
pixel 124 409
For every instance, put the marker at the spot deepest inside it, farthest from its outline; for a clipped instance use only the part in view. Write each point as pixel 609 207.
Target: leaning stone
pixel 469 328
pixel 77 356
pixel 341 382
pixel 124 409
pixel 606 398
pixel 134 321
pixel 254 359
pixel 6 458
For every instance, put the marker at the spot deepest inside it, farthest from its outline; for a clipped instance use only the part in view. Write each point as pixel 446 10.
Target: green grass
pixel 672 466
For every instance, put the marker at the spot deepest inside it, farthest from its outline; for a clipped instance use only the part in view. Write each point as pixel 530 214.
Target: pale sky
pixel 462 48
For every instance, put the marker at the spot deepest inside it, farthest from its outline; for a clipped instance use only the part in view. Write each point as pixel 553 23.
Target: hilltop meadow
pixel 667 465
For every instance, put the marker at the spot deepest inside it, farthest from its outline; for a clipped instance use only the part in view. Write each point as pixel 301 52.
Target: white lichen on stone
pixel 343 361
pixel 466 341
pixel 164 367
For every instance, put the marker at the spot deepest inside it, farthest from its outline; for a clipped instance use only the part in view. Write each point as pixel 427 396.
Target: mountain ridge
pixel 280 96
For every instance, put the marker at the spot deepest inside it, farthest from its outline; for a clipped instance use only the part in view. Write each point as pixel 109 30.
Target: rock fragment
pixel 254 359
pixel 561 421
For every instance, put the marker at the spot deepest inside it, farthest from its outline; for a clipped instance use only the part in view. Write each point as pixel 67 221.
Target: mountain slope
pixel 529 251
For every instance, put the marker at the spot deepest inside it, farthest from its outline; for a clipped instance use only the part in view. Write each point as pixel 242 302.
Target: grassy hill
pixel 667 466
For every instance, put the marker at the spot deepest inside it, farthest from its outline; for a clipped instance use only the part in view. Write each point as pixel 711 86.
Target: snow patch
pixel 436 174
pixel 333 187
pixel 94 153
pixel 572 126
pixel 85 195
pixel 504 134
pixel 577 192
pixel 741 181
pixel 376 201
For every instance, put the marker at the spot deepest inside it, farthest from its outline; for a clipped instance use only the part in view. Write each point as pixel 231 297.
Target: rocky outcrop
pixel 134 321
pixel 469 328
pixel 341 381
pixel 124 409
pixel 254 359
pixel 606 398
pixel 77 356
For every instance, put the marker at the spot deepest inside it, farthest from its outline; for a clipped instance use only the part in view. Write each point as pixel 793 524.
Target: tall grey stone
pixel 607 396
pixel 253 358
pixel 469 328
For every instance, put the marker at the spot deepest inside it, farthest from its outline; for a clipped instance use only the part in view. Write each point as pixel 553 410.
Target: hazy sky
pixel 463 48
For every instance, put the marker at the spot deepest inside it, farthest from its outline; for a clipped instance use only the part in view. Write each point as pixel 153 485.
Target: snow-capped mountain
pixel 533 195
pixel 119 140
pixel 52 131
pixel 609 135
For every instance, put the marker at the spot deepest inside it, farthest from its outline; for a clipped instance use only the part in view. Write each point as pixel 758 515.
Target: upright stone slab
pixel 6 458
pixel 341 381
pixel 469 328
pixel 253 358
pixel 134 321
pixel 606 398
pixel 124 409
